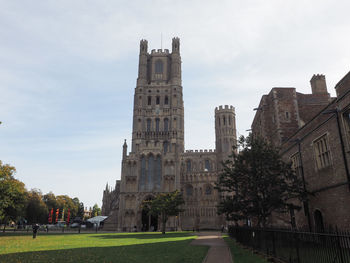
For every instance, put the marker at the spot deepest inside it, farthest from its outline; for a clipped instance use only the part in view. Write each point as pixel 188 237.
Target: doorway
pixel 319 226
pixel 149 222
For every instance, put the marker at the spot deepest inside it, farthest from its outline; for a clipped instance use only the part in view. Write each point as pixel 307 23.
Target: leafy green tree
pixel 81 210
pixel 256 182
pixel 50 200
pixel 64 203
pixel 74 212
pixel 12 194
pixel 96 211
pixel 36 209
pixel 164 205
pixel 51 203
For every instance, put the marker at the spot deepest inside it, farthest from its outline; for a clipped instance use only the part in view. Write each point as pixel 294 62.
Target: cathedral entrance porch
pixel 149 222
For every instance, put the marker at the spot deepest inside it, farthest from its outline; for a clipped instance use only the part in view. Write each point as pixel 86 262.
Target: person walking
pixel 35 230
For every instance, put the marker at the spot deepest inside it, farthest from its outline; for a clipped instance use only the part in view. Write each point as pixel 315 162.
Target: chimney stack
pixel 318 84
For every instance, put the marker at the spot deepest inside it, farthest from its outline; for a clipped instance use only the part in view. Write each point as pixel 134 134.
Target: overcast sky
pixel 68 71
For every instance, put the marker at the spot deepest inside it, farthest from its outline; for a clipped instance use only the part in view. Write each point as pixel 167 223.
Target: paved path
pixel 218 252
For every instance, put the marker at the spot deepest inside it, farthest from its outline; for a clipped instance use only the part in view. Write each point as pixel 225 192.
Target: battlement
pixel 201 151
pixel 318 84
pixel 225 108
pixel 160 52
pixel 318 76
pixel 143 46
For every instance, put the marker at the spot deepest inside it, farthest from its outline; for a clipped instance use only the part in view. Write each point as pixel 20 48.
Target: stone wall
pixel 319 147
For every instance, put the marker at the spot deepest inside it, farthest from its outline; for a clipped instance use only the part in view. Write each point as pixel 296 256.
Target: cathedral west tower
pixel 157 161
pixel 158 122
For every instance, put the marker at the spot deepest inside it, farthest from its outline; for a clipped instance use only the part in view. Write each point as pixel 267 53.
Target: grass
pixel 101 247
pixel 240 255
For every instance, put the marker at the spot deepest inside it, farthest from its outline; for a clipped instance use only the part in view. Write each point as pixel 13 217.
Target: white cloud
pixel 68 69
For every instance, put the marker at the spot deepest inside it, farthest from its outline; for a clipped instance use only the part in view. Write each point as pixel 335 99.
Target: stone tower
pixel 158 162
pixel 158 122
pixel 158 134
pixel 225 132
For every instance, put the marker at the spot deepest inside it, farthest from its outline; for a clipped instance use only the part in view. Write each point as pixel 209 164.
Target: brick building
pixel 313 133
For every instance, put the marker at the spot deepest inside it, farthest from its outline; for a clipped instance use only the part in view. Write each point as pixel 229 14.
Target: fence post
pixel 297 246
pixel 273 243
pixel 339 245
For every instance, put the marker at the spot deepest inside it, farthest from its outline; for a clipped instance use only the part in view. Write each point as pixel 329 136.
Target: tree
pixel 164 205
pixel 256 182
pixel 63 203
pixel 75 212
pixel 51 203
pixel 81 210
pixel 12 194
pixel 36 209
pixel 96 211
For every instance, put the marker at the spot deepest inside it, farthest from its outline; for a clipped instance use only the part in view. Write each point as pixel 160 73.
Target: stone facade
pixel 282 111
pixel 316 139
pixel 158 161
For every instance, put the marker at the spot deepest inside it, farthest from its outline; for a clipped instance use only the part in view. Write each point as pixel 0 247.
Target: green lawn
pixel 101 247
pixel 240 255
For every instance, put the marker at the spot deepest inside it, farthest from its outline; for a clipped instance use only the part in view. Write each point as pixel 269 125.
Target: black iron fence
pixel 296 246
pixel 51 229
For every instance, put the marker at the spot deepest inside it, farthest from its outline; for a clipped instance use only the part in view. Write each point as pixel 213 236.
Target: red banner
pixel 50 215
pixel 68 216
pixel 57 212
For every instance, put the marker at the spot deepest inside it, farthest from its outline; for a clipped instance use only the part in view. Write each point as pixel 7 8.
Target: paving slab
pixel 218 252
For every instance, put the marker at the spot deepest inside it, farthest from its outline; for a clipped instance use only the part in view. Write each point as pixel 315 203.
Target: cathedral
pixel 158 161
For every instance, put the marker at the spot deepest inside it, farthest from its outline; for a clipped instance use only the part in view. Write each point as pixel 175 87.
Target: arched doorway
pixel 319 227
pixel 149 222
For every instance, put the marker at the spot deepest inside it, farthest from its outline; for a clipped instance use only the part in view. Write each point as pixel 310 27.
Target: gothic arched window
pixel 157 125
pixel 166 146
pixel 158 171
pixel 189 190
pixel 150 173
pixel 207 165
pixel 166 100
pixel 188 166
pixel 208 190
pixel 149 122
pixel 143 173
pixel 166 124
pixel 159 67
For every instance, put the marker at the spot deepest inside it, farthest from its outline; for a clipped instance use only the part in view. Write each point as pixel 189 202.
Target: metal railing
pixel 296 246
pixel 51 229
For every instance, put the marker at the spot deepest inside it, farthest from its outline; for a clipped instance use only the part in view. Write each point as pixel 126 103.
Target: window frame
pixel 322 152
